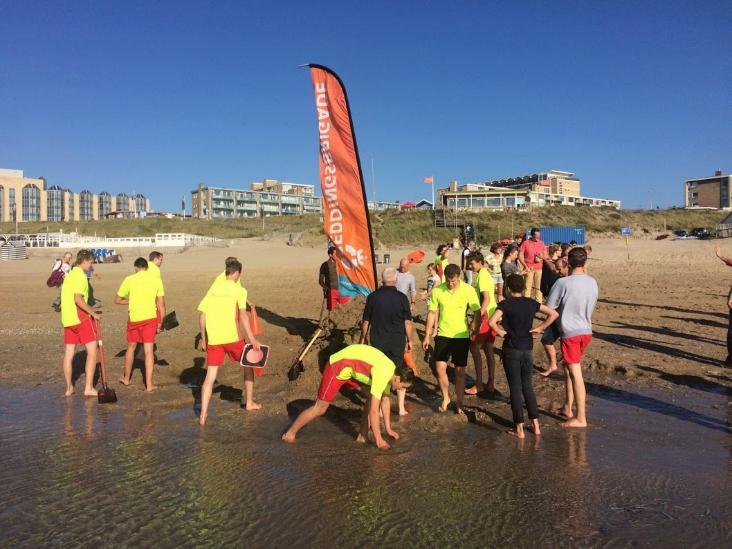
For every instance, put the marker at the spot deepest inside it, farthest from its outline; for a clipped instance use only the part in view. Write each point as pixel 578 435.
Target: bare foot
pixel 88 393
pixel 151 388
pixel 202 420
pixel 534 427
pixel 444 405
pixel 518 431
pixel 474 390
pixel 460 411
pixel 574 423
pixel 124 381
pixel 565 411
pixel 287 437
pixel 547 373
pixel 393 434
pixel 251 406
pixel 69 392
pixel 403 412
pixel 361 439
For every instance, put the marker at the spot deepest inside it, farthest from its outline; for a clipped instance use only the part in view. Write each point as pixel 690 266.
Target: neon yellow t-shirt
pixel 219 279
pixel 484 283
pixel 453 307
pixel 74 283
pixel 222 305
pixel 367 365
pixel 142 289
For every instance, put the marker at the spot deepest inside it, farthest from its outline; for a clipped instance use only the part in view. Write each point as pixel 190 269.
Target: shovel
pixel 298 367
pixel 105 394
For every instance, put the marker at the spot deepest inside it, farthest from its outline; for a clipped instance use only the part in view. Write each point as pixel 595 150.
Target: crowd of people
pixel 499 294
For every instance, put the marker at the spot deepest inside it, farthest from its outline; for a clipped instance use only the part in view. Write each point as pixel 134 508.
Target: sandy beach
pixel 656 382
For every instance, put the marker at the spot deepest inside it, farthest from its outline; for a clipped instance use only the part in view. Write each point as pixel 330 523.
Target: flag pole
pixel 433 192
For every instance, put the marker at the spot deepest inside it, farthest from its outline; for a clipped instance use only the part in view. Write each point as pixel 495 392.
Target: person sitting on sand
pixel 222 311
pixel 367 366
pixel 574 297
pixel 143 292
pixel 451 300
pixel 78 319
pixel 483 337
pixel 513 321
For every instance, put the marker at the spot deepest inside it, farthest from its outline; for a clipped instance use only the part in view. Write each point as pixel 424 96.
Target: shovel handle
pixel 101 352
pixel 310 344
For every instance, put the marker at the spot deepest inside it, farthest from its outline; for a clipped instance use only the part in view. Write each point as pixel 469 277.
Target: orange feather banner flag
pixel 345 208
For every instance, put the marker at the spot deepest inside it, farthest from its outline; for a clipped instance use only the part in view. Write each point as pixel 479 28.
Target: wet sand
pixel 653 469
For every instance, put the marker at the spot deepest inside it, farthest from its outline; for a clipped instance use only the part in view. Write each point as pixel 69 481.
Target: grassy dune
pixel 393 227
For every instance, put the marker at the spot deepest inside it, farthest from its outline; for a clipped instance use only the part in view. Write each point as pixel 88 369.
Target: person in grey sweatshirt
pixel 574 298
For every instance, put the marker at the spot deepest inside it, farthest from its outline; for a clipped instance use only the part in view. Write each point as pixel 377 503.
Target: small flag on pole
pixel 429 179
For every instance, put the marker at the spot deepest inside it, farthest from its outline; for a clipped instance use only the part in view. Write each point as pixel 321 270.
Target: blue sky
pixel 634 97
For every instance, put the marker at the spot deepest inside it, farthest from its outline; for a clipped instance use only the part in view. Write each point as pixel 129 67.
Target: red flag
pixel 347 223
pixel 429 179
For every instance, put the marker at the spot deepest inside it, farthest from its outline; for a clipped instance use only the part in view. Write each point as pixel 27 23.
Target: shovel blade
pixel 295 370
pixel 106 395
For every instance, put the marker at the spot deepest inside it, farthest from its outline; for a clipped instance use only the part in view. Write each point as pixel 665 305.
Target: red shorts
pixel 574 347
pixel 82 333
pixel 330 384
pixel 143 331
pixel 215 354
pixel 485 332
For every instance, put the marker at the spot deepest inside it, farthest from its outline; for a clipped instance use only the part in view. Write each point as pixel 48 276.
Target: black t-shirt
pixel 518 319
pixel 386 310
pixel 548 278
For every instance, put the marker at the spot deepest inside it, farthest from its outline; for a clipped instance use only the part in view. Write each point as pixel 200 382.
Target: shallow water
pixel 653 471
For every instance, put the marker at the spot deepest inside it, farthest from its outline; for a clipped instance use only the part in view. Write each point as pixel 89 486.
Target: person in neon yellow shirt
pixel 78 320
pixel 441 260
pixel 222 315
pixel 365 365
pixel 144 294
pixel 451 301
pixel 483 336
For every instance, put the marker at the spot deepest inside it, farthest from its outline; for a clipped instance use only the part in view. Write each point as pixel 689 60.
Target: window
pixel 123 202
pixel 55 204
pixel 105 205
pixel 86 206
pixel 31 196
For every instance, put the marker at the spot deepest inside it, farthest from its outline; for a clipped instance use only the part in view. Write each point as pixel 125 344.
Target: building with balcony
pixel 708 192
pixel 551 188
pixel 27 199
pixel 267 198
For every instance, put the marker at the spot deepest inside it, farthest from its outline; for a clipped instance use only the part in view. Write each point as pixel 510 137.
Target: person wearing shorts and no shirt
pixel 483 336
pixel 143 292
pixel 517 317
pixel 222 314
pixel 451 301
pixel 368 366
pixel 78 320
pixel 574 297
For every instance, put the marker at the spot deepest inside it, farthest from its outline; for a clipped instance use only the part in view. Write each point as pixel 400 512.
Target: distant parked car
pixel 700 233
pixel 681 233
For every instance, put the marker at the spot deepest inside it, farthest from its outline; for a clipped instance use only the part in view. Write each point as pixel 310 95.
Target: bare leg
pixel 478 361
pixel 401 398
pixel 490 360
pixel 316 410
pixel 206 390
pixel 149 365
pixel 459 387
pixel 363 430
pixel 499 293
pixel 441 368
pixel 535 427
pixel 578 383
pixel 551 354
pixel 386 413
pixel 250 405
pixel 90 368
pixel 566 409
pixel 66 365
pixel 129 360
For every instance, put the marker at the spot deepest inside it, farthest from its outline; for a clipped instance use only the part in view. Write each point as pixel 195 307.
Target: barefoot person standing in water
pixel 574 298
pixel 451 300
pixel 78 320
pixel 367 366
pixel 143 292
pixel 222 312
